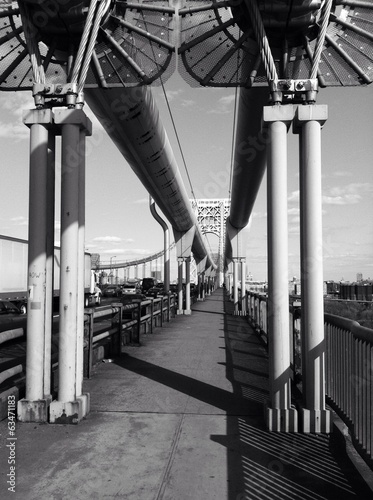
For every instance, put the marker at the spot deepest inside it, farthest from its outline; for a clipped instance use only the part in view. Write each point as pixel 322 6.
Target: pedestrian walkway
pixel 179 418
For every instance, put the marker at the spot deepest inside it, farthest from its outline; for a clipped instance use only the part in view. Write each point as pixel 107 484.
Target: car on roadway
pixel 7 307
pixel 130 288
pixel 112 291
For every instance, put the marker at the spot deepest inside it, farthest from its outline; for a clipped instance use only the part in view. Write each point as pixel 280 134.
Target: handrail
pixel 360 332
pixel 144 315
pixel 348 368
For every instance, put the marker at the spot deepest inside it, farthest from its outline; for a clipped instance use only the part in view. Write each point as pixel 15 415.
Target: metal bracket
pixel 46 95
pixel 294 91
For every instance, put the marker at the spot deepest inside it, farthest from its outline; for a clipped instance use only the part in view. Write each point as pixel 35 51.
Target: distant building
pixel 359 277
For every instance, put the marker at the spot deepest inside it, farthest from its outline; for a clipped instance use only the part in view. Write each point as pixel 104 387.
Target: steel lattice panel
pixel 143 30
pixel 217 45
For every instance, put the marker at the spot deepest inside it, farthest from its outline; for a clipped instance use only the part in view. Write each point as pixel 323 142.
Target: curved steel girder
pixel 249 155
pixel 131 118
pixel 249 160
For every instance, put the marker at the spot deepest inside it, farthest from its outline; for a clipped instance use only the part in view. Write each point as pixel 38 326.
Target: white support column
pixel 34 408
pixel 180 265
pixel 81 268
pixel 280 415
pixel 203 285
pixel 243 287
pixel 309 121
pixel 50 264
pixel 71 405
pixel 235 285
pixel 199 286
pixel 187 309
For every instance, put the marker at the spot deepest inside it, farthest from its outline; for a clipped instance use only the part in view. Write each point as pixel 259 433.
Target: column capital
pixel 309 112
pixel 38 116
pixel 73 117
pixel 278 113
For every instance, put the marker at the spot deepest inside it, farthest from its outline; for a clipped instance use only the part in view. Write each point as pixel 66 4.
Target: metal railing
pixel 106 329
pixel 349 378
pixel 348 366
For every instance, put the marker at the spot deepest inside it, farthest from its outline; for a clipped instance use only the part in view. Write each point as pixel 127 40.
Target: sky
pixel 119 225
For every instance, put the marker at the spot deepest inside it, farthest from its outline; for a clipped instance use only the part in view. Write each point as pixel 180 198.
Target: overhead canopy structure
pixel 276 51
pixel 219 41
pixel 112 49
pixel 292 47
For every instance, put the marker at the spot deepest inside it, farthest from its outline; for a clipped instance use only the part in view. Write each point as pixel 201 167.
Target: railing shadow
pixel 260 464
pixel 271 465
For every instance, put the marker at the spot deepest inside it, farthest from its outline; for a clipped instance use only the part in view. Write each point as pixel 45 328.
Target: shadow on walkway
pixel 260 464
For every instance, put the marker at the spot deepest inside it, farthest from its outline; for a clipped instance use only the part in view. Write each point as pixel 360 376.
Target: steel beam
pixel 309 120
pixel 280 415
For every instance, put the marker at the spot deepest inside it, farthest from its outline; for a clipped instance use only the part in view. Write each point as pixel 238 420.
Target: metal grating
pixel 144 31
pixel 217 46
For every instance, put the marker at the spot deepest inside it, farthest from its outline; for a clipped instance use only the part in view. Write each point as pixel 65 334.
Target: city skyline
pixel 117 204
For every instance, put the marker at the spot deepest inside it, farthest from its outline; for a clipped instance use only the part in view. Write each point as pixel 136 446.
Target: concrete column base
pixel 187 311
pixel 179 311
pixel 69 413
pixel 316 421
pixel 33 411
pixel 279 420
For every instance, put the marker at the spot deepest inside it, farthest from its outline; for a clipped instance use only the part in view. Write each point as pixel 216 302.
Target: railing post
pixel 151 315
pixel 118 344
pixel 90 314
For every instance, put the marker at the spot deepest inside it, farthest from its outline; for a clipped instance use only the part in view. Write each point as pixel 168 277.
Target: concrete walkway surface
pixel 179 418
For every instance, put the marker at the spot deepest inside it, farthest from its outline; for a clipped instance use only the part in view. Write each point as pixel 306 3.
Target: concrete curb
pixel 342 442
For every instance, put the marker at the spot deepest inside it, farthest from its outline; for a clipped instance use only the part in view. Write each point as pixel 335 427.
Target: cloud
pixel 16 131
pixel 354 188
pixel 127 252
pixel 351 194
pixel 19 220
pixel 259 215
pixel 294 196
pixel 224 105
pixel 293 211
pixel 348 199
pixel 342 173
pixel 141 201
pixel 108 239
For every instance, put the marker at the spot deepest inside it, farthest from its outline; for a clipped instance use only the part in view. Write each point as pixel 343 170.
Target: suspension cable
pixel 233 143
pixel 262 40
pixel 321 38
pixel 32 45
pixel 83 42
pixel 173 121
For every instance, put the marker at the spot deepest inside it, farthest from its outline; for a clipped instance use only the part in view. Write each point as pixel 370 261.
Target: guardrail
pixel 349 378
pixel 106 330
pixel 348 366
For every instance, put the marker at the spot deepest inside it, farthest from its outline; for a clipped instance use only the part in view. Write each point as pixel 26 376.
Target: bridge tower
pixel 211 216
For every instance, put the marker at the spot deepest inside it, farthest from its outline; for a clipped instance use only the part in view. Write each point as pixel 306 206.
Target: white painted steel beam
pixel 309 120
pixel 34 408
pixel 280 415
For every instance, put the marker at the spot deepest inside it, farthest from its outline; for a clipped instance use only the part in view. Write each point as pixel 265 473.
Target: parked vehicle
pixel 112 291
pixel 148 283
pixel 14 270
pixel 7 307
pixel 130 288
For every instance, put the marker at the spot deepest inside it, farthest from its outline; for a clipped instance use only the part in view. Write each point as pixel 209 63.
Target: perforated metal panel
pixel 217 45
pixel 134 46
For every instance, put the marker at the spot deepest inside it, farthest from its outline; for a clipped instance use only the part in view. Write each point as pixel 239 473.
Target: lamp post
pixel 111 271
